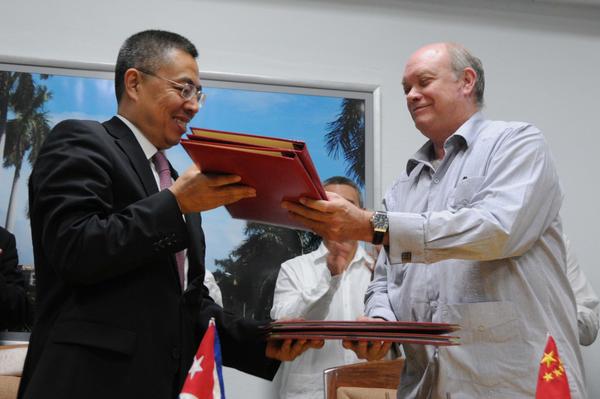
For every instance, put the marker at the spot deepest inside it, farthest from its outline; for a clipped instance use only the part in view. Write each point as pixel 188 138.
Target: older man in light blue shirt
pixel 477 241
pixel 473 236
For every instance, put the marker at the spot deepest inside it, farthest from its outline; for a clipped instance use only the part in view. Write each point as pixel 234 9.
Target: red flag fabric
pixel 552 380
pixel 205 377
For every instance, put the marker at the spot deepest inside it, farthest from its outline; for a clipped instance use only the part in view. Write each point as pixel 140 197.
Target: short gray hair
pixel 461 58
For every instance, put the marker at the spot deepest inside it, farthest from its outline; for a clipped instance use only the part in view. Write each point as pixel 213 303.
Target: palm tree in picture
pixel 346 135
pixel 247 277
pixel 26 132
pixel 9 86
pixel 7 80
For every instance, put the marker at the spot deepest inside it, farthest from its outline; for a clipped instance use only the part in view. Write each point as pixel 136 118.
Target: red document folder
pixel 390 331
pixel 278 169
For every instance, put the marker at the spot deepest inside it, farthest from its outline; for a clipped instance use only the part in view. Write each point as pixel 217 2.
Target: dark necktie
pixel 164 175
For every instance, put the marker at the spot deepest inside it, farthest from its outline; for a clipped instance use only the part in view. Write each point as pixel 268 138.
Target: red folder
pixel 278 169
pixel 390 331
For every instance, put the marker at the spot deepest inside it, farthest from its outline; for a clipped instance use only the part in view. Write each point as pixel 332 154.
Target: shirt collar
pixel 470 129
pixel 148 148
pixel 465 135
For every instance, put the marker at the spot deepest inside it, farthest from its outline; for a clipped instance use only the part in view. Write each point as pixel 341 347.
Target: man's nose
pixel 192 106
pixel 413 95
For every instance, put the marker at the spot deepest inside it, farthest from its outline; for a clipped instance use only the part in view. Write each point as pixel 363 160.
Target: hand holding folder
pixel 198 192
pixel 278 169
pixel 425 333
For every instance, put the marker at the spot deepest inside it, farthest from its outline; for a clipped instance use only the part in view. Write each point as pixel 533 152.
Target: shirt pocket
pixel 462 195
pixel 492 352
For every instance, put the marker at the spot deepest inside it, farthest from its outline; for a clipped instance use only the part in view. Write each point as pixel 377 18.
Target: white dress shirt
pixel 305 289
pixel 213 288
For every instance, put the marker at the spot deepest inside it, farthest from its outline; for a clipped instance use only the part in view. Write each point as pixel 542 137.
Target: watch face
pixel 380 220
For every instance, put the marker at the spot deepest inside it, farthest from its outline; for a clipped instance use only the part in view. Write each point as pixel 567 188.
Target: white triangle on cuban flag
pixel 205 378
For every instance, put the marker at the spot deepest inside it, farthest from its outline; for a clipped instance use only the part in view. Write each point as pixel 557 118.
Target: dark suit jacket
pixel 112 321
pixel 13 298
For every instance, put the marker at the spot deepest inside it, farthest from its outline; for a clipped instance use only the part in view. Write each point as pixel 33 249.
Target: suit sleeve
pixel 93 226
pixel 243 343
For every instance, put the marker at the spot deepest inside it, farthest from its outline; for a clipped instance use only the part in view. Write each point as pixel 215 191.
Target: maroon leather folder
pixel 278 169
pixel 390 331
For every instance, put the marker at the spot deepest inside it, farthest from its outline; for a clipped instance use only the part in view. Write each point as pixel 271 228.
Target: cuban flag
pixel 205 378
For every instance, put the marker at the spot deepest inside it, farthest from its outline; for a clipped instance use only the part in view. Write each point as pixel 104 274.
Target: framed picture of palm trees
pixel 335 122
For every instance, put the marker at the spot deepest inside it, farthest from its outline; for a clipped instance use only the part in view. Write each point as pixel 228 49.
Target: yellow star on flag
pixel 560 366
pixel 557 372
pixel 552 381
pixel 548 358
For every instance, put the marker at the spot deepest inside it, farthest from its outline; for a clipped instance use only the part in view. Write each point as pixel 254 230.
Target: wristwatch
pixel 380 224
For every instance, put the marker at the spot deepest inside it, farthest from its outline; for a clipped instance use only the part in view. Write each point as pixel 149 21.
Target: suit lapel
pixel 125 139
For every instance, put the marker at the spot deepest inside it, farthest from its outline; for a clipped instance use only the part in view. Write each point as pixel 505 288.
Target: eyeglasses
pixel 187 90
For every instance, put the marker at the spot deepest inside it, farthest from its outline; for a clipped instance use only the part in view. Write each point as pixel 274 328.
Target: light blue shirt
pixel 478 242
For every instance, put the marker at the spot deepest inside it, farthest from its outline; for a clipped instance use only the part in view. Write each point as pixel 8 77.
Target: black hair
pixel 148 50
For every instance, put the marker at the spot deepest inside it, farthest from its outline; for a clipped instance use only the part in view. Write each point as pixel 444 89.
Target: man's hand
pixel 335 219
pixel 196 192
pixel 370 350
pixel 339 256
pixel 289 349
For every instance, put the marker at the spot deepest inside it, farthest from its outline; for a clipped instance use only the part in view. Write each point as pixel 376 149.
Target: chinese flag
pixel 552 380
pixel 205 378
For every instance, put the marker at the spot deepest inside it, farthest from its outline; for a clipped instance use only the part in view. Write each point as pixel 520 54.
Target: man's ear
pixel 468 79
pixel 132 80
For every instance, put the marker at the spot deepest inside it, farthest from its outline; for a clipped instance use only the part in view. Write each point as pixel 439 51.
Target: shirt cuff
pixel 406 238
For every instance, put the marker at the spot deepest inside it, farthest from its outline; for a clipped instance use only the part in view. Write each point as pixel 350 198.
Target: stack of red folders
pixel 278 169
pixel 390 331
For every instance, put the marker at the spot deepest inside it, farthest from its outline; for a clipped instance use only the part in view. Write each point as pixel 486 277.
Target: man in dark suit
pixel 112 320
pixel 13 298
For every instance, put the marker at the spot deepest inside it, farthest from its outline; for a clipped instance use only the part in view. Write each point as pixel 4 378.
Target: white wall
pixel 542 65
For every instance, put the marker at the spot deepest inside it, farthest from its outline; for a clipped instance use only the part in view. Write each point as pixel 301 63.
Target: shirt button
pixel 436 180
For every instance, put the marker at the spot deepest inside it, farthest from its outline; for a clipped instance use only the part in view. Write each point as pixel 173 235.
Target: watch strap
pixel 378 237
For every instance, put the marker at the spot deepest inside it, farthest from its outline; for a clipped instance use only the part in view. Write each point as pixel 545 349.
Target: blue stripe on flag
pixel 219 363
